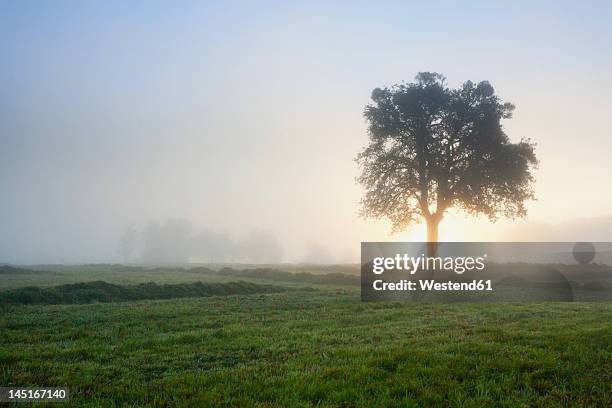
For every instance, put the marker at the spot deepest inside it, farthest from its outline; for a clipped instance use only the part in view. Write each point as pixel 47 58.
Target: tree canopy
pixel 432 148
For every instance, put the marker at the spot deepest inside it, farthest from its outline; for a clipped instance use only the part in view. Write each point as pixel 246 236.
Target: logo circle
pixel 584 252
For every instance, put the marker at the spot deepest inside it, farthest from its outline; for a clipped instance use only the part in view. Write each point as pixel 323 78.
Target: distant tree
pixel 128 244
pixel 318 254
pixel 432 148
pixel 211 246
pixel 262 247
pixel 169 243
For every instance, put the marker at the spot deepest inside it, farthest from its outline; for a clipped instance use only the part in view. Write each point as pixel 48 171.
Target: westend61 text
pixel 431 285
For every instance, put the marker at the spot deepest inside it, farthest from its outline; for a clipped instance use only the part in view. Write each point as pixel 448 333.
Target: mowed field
pixel 313 346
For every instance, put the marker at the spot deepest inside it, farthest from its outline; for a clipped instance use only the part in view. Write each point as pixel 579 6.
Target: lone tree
pixel 432 148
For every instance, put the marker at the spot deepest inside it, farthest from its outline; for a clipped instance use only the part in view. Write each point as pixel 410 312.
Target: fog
pixel 227 133
pixel 177 242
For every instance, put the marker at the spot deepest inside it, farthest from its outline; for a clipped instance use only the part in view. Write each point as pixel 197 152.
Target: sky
pixel 246 117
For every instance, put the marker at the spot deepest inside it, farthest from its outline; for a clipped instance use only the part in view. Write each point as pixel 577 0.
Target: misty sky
pixel 243 117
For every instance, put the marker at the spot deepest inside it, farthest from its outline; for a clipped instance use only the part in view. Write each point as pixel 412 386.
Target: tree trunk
pixel 432 230
pixel 432 236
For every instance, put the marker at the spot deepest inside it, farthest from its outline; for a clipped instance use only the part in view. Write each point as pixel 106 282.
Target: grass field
pixel 53 275
pixel 318 347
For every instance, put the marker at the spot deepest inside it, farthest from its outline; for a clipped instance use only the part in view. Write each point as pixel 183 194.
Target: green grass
pixel 100 291
pixel 53 275
pixel 322 348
